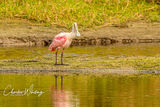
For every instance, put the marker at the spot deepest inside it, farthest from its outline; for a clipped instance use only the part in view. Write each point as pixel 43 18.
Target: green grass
pixel 87 13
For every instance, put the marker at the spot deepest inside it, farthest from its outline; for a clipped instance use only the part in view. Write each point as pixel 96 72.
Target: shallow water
pixel 95 51
pixel 79 90
pixel 68 89
pixel 135 57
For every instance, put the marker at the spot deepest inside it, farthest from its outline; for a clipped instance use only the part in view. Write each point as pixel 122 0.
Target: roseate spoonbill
pixel 63 40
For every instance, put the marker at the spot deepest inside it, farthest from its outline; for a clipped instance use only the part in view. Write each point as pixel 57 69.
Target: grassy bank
pixel 88 13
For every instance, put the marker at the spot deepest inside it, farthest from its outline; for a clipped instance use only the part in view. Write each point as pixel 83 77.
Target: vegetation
pixel 88 13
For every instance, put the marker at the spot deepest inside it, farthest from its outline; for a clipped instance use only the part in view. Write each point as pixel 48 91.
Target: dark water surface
pixel 79 90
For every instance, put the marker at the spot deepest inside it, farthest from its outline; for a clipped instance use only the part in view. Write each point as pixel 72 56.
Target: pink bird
pixel 63 40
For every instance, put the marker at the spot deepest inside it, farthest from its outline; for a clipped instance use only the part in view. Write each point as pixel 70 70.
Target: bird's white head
pixel 75 29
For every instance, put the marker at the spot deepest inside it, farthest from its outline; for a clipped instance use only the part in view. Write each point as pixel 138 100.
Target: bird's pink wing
pixel 58 41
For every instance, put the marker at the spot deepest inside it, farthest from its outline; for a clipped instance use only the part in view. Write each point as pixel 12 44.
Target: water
pixel 135 57
pixel 96 51
pixel 50 89
pixel 80 90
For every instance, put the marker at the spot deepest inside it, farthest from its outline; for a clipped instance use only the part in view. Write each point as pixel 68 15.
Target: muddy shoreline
pixel 127 58
pixel 63 72
pixel 83 41
pixel 23 33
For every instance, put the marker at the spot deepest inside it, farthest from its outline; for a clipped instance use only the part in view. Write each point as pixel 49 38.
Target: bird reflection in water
pixel 60 97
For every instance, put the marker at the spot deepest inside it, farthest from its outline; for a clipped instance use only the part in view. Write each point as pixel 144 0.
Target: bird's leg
pixel 61 82
pixel 56 81
pixel 62 57
pixel 56 57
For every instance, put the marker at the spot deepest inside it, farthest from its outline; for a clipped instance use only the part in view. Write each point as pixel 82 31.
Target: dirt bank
pixel 24 33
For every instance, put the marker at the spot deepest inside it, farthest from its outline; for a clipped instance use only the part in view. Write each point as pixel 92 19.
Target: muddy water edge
pixel 144 57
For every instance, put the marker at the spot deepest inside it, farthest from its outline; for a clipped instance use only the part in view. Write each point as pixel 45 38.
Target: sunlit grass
pixel 87 13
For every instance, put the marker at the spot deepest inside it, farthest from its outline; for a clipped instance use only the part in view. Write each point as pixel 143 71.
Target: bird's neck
pixel 73 35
